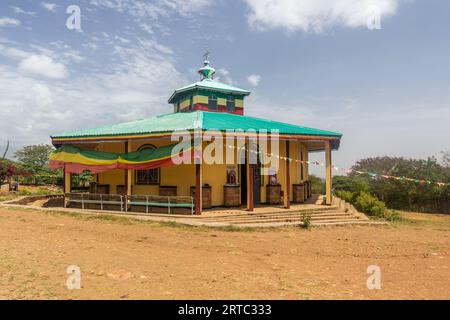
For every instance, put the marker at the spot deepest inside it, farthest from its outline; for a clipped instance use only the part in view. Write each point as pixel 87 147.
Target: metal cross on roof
pixel 206 55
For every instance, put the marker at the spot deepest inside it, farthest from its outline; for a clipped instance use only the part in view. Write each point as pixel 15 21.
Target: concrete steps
pixel 284 217
pixel 273 213
pixel 324 216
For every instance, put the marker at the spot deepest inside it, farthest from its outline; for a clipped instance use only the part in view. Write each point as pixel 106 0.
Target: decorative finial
pixel 206 55
pixel 207 72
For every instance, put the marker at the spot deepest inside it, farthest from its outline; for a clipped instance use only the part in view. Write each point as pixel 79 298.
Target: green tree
pixel 33 161
pixel 7 169
pixel 34 158
pixel 317 184
pixel 402 194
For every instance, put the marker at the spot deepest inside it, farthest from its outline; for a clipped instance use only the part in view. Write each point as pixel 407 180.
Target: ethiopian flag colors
pixel 76 160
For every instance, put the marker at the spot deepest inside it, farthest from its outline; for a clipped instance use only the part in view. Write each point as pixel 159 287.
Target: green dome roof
pixel 207 72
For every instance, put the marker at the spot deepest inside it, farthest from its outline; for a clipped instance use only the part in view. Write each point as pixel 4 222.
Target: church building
pixel 133 163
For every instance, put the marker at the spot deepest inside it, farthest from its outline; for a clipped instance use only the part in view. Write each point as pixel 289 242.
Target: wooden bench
pixel 161 201
pixel 96 199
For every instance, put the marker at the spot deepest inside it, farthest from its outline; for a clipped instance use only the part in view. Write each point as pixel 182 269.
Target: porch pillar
pixel 128 173
pixel 301 162
pixel 328 173
pixel 287 194
pixel 198 159
pixel 198 189
pixel 67 181
pixel 250 187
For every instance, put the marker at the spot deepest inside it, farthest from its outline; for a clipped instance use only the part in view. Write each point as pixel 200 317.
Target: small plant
pixel 306 220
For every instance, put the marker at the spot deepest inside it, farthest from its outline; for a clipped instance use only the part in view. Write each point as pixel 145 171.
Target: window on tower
pixel 231 104
pixel 212 102
pixel 191 103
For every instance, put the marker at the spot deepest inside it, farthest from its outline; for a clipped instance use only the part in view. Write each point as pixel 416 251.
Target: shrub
pixel 7 169
pixel 346 195
pixel 306 220
pixel 370 205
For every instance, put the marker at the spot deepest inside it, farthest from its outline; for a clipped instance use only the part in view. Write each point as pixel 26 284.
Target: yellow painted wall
pixel 239 103
pixel 114 177
pixel 216 176
pixel 185 103
pixel 221 101
pixel 201 99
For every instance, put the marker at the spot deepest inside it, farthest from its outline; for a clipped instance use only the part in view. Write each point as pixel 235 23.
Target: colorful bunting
pixel 350 170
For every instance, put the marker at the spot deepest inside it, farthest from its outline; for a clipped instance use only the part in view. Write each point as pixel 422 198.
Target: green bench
pixel 161 201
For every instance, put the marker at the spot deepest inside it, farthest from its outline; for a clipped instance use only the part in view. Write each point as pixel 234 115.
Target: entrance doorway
pixel 257 179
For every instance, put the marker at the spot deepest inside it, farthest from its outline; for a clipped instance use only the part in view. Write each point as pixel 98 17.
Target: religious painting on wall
pixel 231 175
pixel 272 177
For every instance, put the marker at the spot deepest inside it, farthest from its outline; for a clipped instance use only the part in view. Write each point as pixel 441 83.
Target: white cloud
pixel 44 66
pixel 49 6
pixel 154 9
pixel 254 79
pixel 19 10
pixel 5 21
pixel 184 7
pixel 223 75
pixel 13 53
pixel 317 15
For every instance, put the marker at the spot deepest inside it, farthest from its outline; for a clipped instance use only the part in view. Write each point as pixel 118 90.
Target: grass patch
pixel 423 219
pixel 8 197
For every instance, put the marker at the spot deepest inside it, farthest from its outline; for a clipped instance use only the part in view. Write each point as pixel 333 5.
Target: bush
pixel 369 205
pixel 346 195
pixel 352 184
pixel 317 185
pixel 7 170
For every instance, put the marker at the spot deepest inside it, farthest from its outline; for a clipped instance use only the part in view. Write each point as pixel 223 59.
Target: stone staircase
pixel 323 216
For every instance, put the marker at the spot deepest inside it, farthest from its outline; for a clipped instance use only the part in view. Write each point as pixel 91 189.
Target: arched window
pixel 212 102
pixel 150 176
pixel 231 104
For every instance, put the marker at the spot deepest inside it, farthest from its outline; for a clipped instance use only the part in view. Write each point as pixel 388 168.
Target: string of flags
pixel 350 170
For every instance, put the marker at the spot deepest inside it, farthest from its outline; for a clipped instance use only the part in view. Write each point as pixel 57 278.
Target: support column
pixel 301 162
pixel 250 179
pixel 128 173
pixel 287 193
pixel 125 171
pixel 328 173
pixel 198 157
pixel 198 189
pixel 67 182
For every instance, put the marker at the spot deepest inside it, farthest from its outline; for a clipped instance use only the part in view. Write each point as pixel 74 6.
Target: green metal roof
pixel 194 120
pixel 208 84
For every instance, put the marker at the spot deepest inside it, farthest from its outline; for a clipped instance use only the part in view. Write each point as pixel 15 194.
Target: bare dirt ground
pixel 123 259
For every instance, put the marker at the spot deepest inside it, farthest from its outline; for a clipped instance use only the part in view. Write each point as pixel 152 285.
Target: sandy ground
pixel 122 259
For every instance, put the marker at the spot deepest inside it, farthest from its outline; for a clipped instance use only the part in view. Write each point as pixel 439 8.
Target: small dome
pixel 207 72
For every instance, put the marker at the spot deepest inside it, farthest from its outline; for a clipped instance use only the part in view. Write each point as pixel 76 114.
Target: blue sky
pixel 309 62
